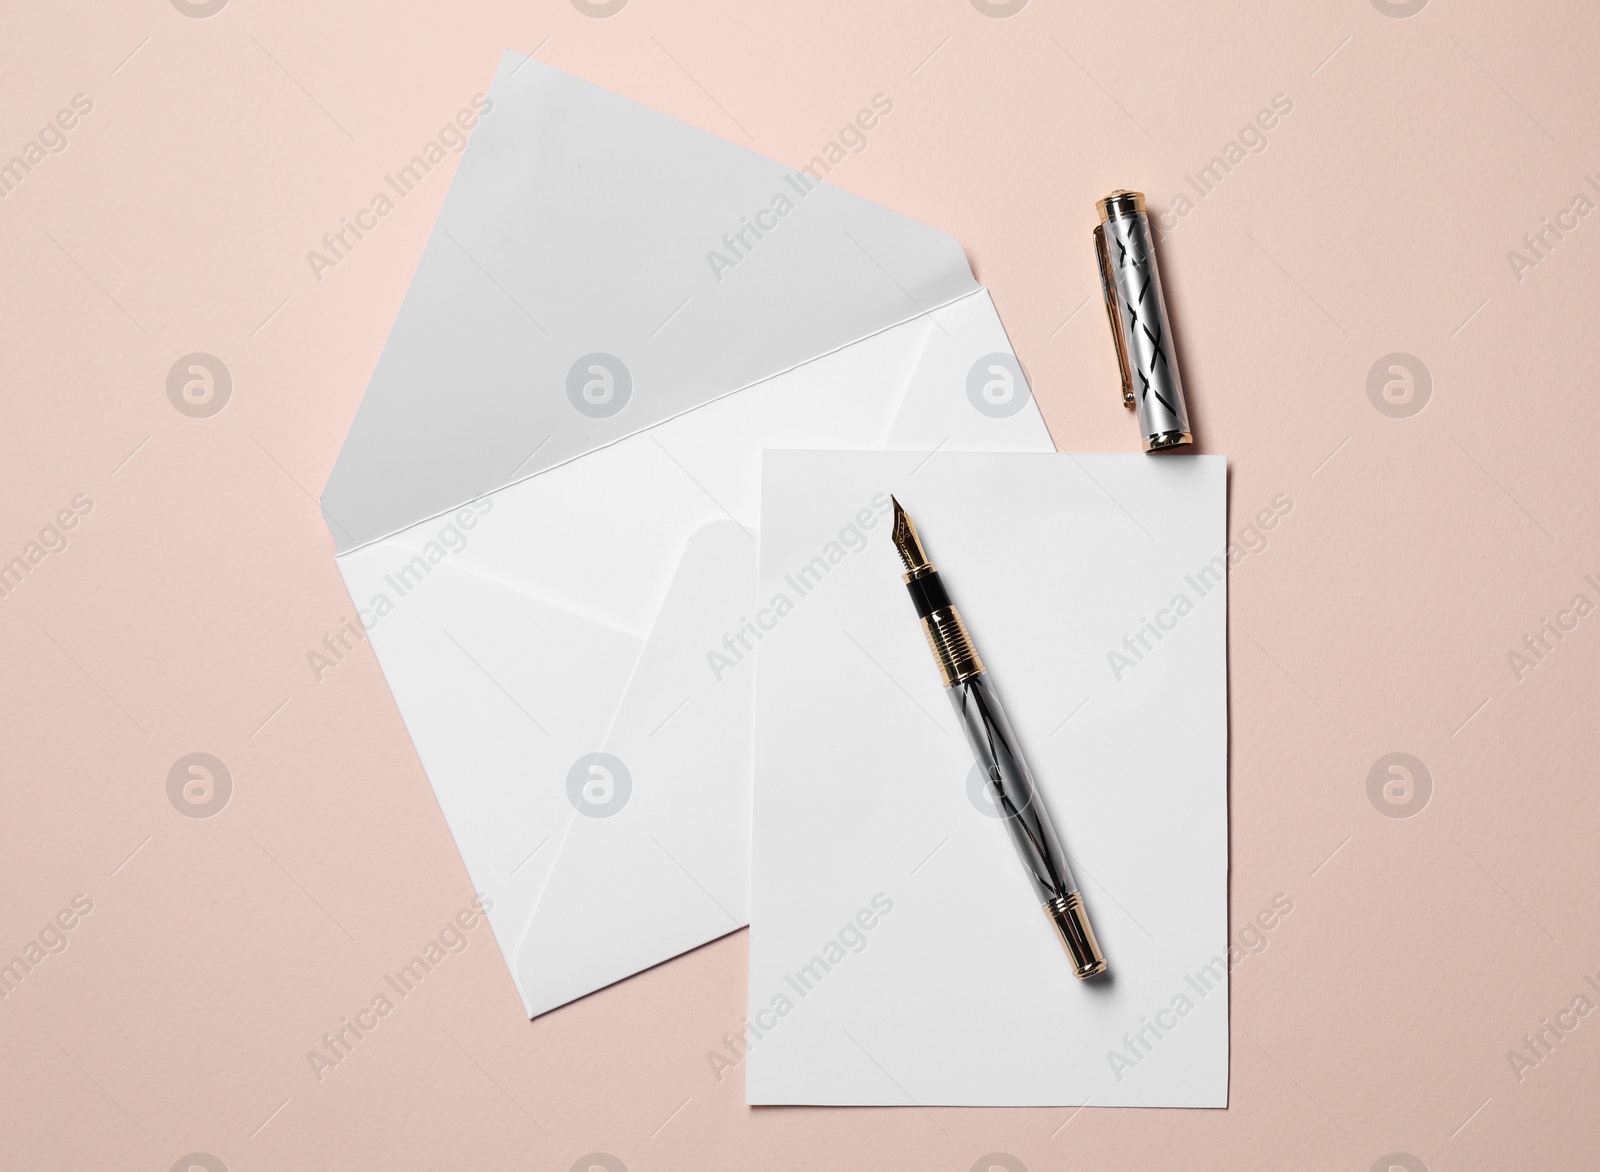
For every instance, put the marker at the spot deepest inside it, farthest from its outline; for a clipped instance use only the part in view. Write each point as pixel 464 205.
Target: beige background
pixel 1418 553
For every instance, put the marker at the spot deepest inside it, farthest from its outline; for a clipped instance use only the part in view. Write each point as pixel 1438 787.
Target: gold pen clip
pixel 1107 207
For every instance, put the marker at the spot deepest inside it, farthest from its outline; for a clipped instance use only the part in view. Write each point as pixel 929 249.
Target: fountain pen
pixel 995 746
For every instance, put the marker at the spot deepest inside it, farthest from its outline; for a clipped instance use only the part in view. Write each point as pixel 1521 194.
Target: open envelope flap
pixel 654 861
pixel 597 268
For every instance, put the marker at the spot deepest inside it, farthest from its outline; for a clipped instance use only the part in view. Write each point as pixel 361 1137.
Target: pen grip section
pixel 999 756
pixel 927 593
pixel 947 635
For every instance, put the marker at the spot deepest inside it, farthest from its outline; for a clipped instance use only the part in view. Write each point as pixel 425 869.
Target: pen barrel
pixel 1011 787
pixel 1130 278
pixel 999 757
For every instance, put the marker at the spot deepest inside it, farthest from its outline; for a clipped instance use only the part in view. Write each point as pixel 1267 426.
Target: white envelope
pixel 546 507
pixel 898 952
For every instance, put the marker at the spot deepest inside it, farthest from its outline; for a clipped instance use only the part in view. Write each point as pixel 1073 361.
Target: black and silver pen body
pixel 998 754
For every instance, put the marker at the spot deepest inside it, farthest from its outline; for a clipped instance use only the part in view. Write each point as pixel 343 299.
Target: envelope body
pixel 547 507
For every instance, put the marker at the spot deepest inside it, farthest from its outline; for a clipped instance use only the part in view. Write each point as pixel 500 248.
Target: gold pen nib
pixel 907 542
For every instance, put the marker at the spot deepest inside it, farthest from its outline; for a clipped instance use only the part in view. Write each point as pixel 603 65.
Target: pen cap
pixel 1131 281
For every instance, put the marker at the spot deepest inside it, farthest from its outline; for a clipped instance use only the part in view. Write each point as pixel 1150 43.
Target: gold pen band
pixel 1071 920
pixel 952 646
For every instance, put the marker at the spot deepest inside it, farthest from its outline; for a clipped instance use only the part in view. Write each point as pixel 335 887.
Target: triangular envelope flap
pixel 597 268
pixel 659 865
